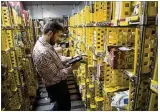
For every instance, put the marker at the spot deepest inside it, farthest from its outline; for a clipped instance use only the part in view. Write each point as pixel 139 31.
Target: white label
pixel 155 87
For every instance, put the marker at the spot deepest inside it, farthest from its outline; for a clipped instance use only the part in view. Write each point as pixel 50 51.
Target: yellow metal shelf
pixel 13 27
pixel 7 50
pixel 88 96
pixel 112 23
pixel 19 107
pixel 15 89
pixel 124 23
pixel 87 80
pixel 90 66
pixel 133 18
pixel 128 72
pixel 99 99
pixel 11 71
pixel 153 104
pixel 23 84
pixel 91 86
pixel 82 84
pixel 83 99
pixel 115 89
pixel 92 106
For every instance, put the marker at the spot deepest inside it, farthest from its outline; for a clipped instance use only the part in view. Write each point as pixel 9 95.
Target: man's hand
pixel 74 56
pixel 75 66
pixel 59 49
pixel 67 58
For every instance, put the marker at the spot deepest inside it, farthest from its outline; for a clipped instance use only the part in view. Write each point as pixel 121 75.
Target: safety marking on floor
pixel 44 104
pixel 70 79
pixel 41 85
pixel 42 90
pixel 80 109
pixel 74 97
pixel 71 86
pixel 73 91
pixel 78 99
pixel 43 94
pixel 77 106
pixel 45 107
pixel 70 82
pixel 74 103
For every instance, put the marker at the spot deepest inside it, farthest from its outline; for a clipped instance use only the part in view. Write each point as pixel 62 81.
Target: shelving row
pixel 106 13
pixel 119 58
pixel 19 82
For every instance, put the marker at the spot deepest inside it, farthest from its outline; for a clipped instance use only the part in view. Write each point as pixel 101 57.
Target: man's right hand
pixel 58 49
pixel 75 66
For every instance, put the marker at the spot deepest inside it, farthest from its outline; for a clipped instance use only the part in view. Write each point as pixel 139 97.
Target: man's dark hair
pixel 52 26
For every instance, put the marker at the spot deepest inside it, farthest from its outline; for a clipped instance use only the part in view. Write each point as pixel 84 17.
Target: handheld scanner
pixel 74 60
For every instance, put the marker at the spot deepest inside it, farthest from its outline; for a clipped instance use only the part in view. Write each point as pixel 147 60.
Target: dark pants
pixel 60 93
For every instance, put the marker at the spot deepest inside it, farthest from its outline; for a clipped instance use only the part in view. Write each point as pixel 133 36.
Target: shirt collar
pixel 46 44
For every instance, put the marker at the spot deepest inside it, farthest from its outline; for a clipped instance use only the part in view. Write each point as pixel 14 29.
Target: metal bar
pixel 140 54
pixel 131 26
pixel 42 10
pixel 9 10
pixel 50 4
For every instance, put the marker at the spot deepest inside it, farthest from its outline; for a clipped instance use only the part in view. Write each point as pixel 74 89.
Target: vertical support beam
pixel 34 33
pixel 140 53
pixel 42 10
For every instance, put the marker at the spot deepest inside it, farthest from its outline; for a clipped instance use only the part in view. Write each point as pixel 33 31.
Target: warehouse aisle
pixel 43 101
pixel 118 38
pixel 76 102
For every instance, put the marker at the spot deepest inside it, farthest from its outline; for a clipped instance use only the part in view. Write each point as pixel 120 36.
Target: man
pixel 49 65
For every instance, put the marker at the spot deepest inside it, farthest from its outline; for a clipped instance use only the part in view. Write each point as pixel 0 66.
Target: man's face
pixel 55 38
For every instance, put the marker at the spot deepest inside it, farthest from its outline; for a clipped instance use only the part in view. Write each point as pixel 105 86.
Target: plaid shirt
pixel 48 63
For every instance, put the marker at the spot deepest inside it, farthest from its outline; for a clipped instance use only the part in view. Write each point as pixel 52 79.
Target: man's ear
pixel 50 33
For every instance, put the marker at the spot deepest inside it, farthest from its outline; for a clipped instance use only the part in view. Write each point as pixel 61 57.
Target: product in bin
pixel 121 57
pixel 136 9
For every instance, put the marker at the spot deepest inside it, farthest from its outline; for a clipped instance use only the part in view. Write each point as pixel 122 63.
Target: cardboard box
pixel 121 57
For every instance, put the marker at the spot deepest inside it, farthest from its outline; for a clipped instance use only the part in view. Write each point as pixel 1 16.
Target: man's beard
pixel 53 42
pixel 58 41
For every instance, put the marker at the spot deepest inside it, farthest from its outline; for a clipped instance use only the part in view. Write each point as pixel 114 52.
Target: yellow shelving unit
pixel 17 37
pixel 120 28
